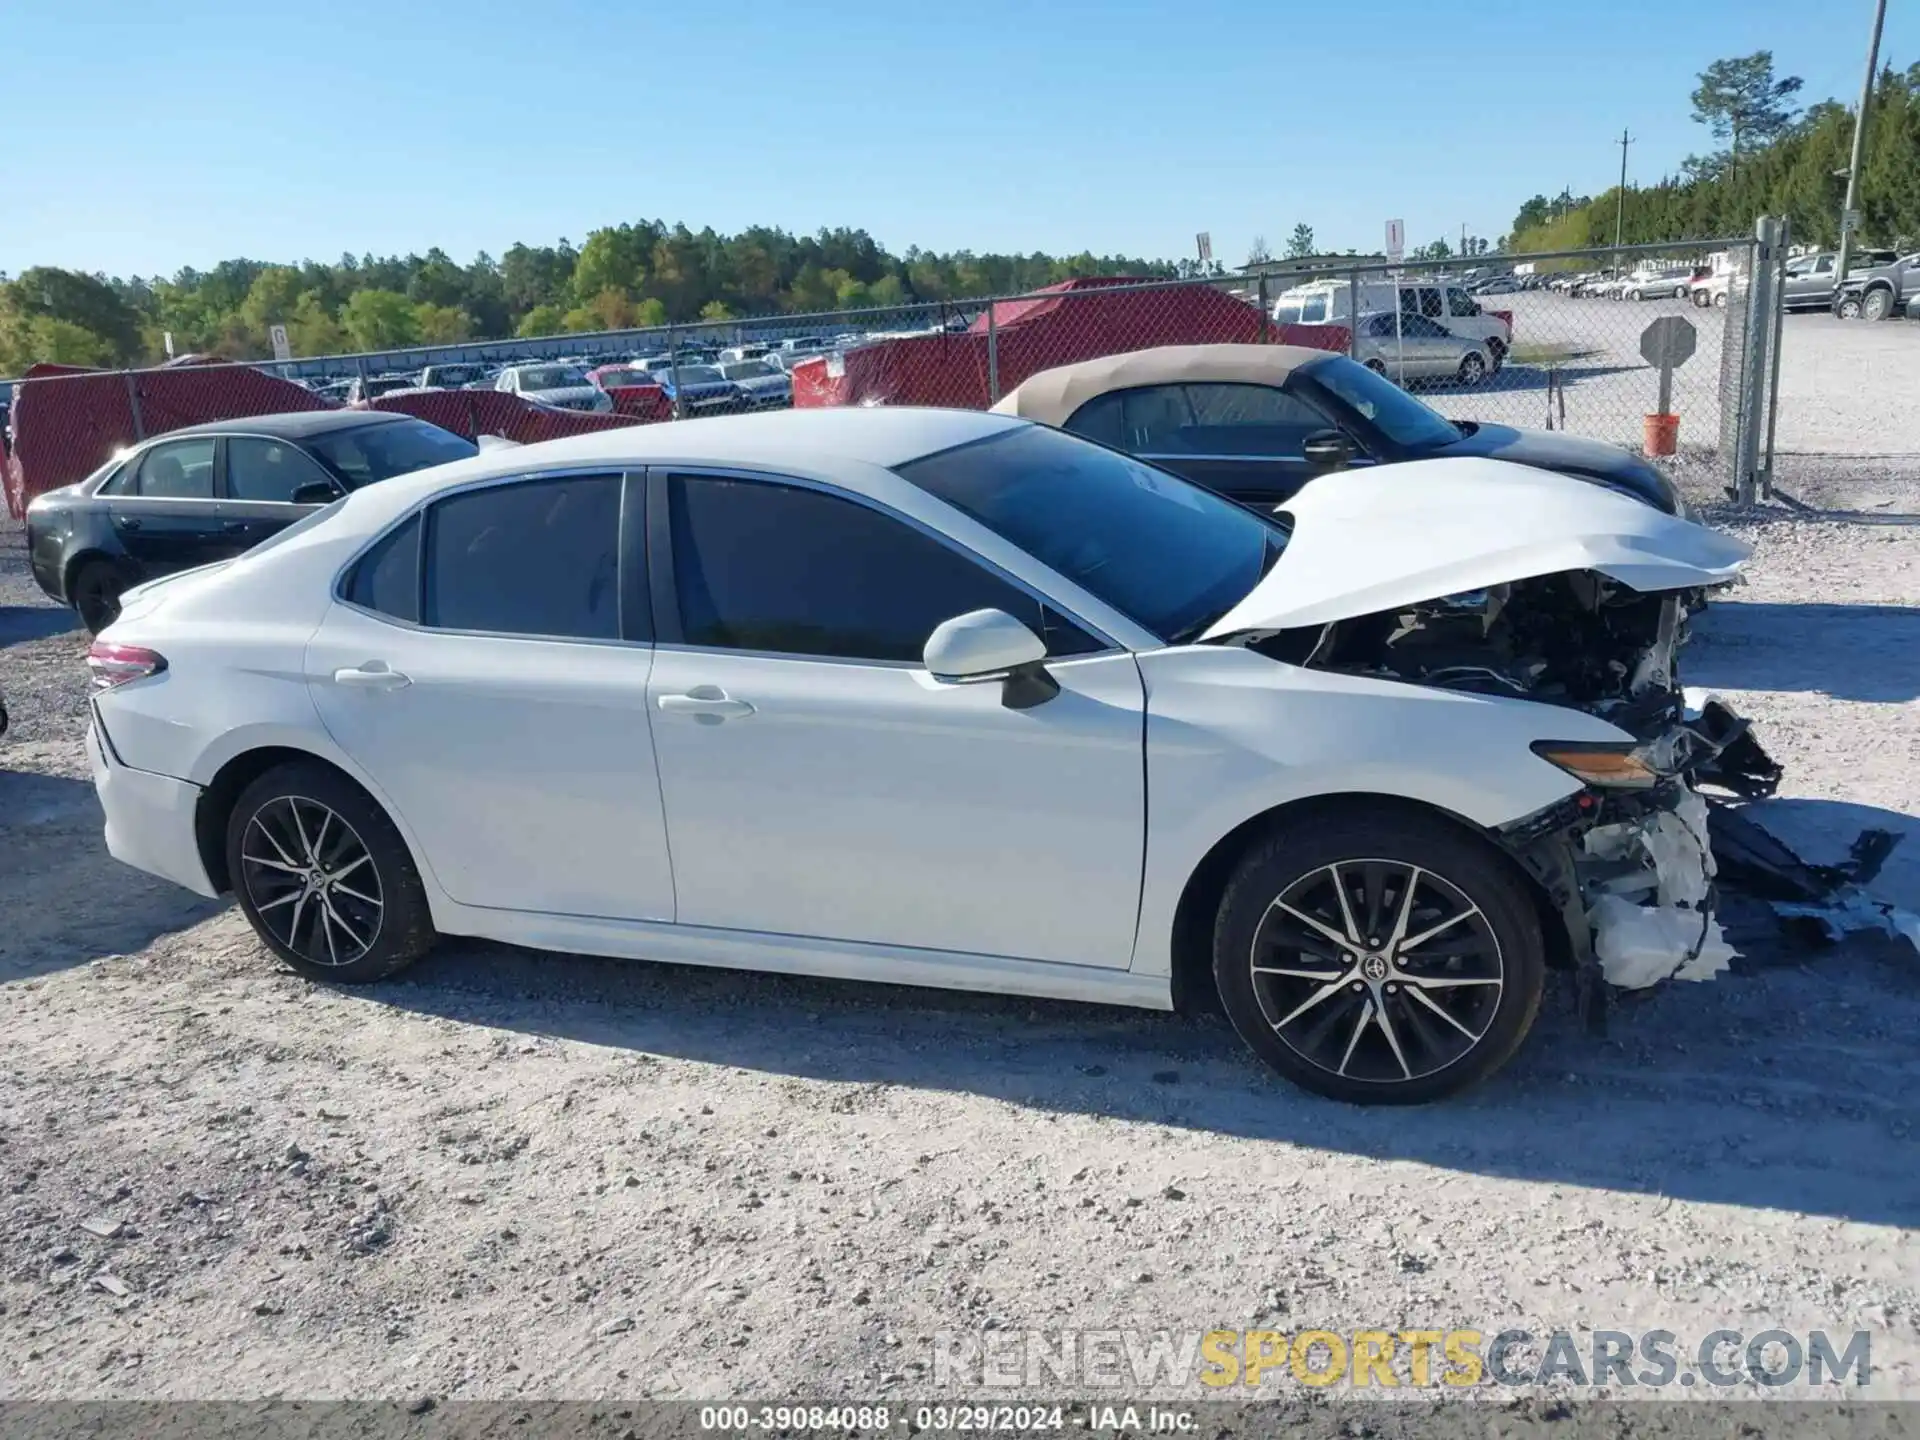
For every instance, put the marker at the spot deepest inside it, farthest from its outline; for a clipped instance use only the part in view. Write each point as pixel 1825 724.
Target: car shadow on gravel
pixel 1788 1084
pixel 20 623
pixel 1851 652
pixel 64 901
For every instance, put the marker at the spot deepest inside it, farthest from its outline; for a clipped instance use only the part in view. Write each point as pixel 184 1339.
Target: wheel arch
pixel 223 791
pixel 81 558
pixel 1191 948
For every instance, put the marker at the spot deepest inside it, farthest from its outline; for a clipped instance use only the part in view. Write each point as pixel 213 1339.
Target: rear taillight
pixel 117 664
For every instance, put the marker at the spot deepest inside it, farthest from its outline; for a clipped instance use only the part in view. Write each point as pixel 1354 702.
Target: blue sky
pixel 138 138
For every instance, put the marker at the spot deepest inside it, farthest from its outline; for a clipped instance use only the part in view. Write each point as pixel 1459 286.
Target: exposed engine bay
pixel 1631 869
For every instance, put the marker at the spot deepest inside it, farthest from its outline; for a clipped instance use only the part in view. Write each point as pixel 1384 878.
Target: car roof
pixel 1053 395
pixel 293 425
pixel 825 442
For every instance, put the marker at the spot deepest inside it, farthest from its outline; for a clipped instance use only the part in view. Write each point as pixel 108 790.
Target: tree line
pixel 1777 160
pixel 641 274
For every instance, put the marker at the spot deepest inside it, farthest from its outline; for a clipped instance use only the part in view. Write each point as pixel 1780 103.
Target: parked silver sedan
pixel 1411 347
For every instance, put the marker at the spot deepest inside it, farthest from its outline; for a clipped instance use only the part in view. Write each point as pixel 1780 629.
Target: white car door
pixel 819 782
pixel 487 668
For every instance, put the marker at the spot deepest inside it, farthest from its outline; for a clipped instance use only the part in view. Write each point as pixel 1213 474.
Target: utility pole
pixel 1859 150
pixel 1620 206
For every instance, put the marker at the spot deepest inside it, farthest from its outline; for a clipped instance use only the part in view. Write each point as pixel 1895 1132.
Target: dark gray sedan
pixel 208 492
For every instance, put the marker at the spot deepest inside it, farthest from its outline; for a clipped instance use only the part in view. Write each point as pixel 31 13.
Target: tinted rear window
pixel 531 558
pixel 387 577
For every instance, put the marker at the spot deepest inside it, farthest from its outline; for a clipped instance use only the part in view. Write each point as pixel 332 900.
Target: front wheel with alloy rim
pixel 324 877
pixel 1849 308
pixel 1877 306
pixel 1378 956
pixel 1472 369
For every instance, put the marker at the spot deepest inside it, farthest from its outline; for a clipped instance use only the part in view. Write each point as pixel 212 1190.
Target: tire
pixel 1498 352
pixel 1472 369
pixel 1848 309
pixel 1378 367
pixel 349 932
pixel 1720 301
pixel 1877 305
pixel 1680 292
pixel 95 592
pixel 1491 954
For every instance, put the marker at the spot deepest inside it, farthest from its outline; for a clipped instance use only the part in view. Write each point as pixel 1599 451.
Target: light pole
pixel 1859 149
pixel 1620 204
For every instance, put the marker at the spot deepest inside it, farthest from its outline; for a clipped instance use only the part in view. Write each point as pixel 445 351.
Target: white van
pixel 1328 302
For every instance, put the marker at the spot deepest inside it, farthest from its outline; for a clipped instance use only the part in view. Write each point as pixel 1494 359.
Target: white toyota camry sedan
pixel 952 699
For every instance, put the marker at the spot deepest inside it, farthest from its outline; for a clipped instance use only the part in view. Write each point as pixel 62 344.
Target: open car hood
pixel 1366 541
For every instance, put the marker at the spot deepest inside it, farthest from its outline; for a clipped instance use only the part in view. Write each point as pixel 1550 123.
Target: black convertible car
pixel 1256 422
pixel 206 493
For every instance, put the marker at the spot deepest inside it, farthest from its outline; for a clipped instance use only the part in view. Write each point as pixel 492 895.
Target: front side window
pixel 181 470
pixel 1313 310
pixel 536 557
pixel 1249 420
pixel 270 470
pixel 791 571
pixel 1430 304
pixel 379 451
pixel 1377 401
pixel 1169 554
pixel 1462 304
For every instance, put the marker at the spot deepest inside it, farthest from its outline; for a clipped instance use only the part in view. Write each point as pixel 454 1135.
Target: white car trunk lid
pixel 1366 541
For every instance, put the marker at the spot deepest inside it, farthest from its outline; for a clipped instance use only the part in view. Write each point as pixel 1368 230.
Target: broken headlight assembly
pixel 1624 766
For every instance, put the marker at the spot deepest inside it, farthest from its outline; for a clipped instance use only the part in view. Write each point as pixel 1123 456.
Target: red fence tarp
pixel 67 421
pixel 1073 321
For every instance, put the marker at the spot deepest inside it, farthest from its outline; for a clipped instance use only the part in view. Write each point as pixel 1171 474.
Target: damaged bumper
pixel 1629 865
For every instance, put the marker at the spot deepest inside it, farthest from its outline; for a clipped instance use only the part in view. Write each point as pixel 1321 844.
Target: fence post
pixel 133 404
pixel 1773 377
pixel 673 368
pixel 1353 314
pixel 1753 382
pixel 1265 318
pixel 993 353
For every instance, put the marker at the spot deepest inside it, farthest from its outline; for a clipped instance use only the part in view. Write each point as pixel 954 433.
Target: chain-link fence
pixel 1567 343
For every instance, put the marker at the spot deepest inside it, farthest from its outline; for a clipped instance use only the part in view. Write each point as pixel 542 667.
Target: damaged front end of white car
pixel 1526 588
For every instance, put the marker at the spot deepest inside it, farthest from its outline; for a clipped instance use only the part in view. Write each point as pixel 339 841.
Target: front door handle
pixel 707 703
pixel 236 527
pixel 374 675
pixel 127 522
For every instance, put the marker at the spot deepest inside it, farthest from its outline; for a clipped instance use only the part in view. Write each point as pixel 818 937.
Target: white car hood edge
pixel 1366 541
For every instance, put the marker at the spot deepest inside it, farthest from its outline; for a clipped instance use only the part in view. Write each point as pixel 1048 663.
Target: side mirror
pixel 316 492
pixel 1327 451
pixel 991 645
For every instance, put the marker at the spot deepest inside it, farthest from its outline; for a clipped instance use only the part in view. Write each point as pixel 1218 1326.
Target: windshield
pixel 698 375
pixel 451 375
pixel 620 375
pixel 368 453
pixel 386 384
pixel 748 370
pixel 1392 411
pixel 552 377
pixel 1169 555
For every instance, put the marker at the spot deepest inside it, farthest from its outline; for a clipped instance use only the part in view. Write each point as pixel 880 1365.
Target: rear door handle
pixel 705 702
pixel 372 676
pixel 127 522
pixel 236 527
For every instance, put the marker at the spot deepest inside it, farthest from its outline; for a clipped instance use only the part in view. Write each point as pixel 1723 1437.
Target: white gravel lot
pixel 514 1175
pixel 1846 386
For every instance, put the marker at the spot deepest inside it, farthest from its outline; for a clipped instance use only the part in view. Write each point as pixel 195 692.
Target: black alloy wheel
pixel 1379 957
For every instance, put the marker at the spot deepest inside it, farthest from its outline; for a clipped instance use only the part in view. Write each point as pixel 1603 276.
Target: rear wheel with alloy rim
pixel 1472 369
pixel 324 877
pixel 1380 956
pixel 95 592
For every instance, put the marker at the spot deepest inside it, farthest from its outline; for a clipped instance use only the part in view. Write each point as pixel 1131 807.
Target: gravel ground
pixel 513 1175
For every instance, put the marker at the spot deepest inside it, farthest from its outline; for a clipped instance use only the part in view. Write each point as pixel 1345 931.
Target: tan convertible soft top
pixel 1053 395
